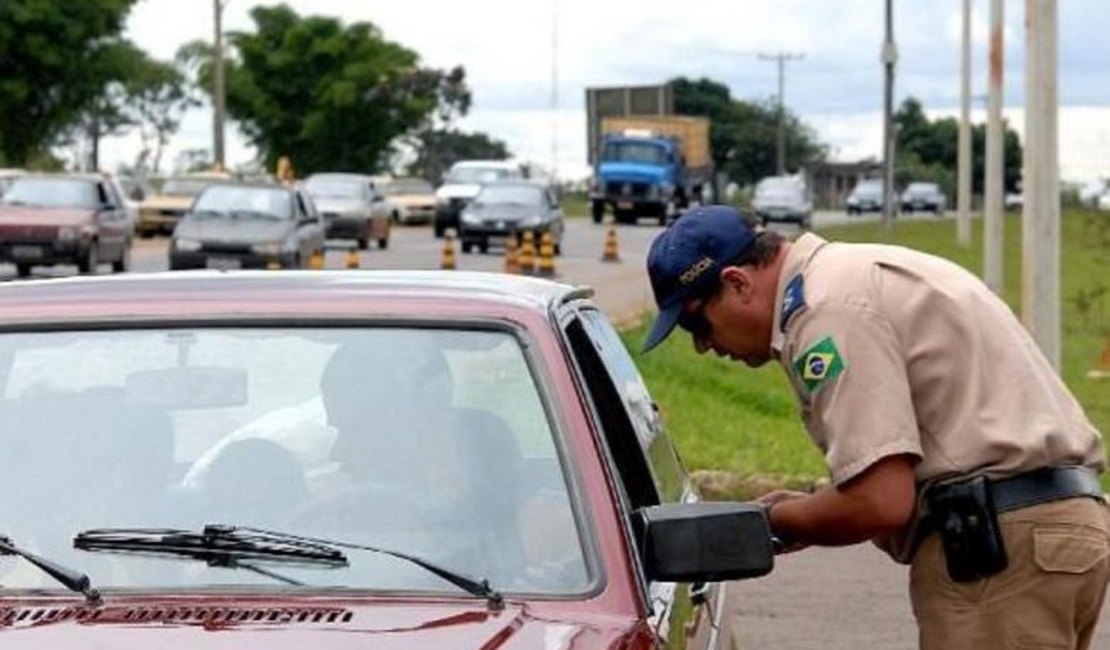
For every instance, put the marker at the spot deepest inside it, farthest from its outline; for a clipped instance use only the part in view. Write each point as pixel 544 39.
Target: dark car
pixel 924 197
pixel 353 207
pixel 345 460
pixel 506 208
pixel 866 196
pixel 64 219
pixel 243 226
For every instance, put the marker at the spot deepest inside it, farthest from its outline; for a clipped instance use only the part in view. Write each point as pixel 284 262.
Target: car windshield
pixel 778 191
pixel 510 194
pixel 252 201
pixel 402 187
pixel 868 189
pixel 335 188
pixel 432 442
pixel 53 193
pixel 468 175
pixel 634 152
pixel 922 188
pixel 185 186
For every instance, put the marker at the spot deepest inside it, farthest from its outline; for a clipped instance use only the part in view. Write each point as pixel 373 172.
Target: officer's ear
pixel 738 280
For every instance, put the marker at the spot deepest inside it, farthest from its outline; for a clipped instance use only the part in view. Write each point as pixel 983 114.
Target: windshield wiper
pixel 218 546
pixel 262 545
pixel 72 580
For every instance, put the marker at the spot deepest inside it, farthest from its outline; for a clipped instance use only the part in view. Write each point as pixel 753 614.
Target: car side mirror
pixel 706 542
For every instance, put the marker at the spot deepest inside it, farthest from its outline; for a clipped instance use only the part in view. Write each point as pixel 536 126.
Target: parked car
pixel 48 219
pixel 238 226
pixel 783 198
pixel 866 196
pixel 503 209
pixel 411 200
pixel 340 460
pixel 462 184
pixel 353 207
pixel 160 211
pixel 924 197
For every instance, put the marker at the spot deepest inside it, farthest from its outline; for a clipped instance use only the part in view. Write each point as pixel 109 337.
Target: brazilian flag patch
pixel 819 364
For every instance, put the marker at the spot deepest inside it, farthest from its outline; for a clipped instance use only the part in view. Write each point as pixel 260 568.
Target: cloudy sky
pixel 506 47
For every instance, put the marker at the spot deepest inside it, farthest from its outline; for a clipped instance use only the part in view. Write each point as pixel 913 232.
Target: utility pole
pixel 554 91
pixel 889 57
pixel 992 207
pixel 218 86
pixel 1041 211
pixel 781 58
pixel 963 201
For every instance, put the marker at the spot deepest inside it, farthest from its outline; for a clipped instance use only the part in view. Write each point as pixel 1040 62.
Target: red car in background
pixel 64 219
pixel 344 460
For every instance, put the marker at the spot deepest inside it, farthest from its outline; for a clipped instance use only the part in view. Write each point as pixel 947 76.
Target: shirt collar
pixel 797 258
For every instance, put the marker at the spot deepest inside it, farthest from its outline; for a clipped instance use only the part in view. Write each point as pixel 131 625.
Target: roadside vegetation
pixel 739 429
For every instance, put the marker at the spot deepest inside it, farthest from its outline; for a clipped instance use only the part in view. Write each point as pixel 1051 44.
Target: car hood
pixel 413 200
pixel 12 215
pixel 458 191
pixel 778 202
pixel 341 206
pixel 167 202
pixel 243 229
pixel 227 624
pixel 625 172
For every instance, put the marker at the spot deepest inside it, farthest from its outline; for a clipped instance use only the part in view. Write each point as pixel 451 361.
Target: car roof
pixel 346 176
pixel 303 295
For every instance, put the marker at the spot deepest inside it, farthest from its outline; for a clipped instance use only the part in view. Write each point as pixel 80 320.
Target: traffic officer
pixel 950 440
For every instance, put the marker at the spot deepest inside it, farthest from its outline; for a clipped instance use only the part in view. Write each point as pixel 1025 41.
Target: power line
pixel 781 58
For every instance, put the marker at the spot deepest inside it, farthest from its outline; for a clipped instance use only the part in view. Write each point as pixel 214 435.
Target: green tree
pixel 743 135
pixel 928 150
pixel 53 57
pixel 327 95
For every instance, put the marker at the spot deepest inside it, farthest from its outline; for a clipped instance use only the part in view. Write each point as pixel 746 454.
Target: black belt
pixel 1044 485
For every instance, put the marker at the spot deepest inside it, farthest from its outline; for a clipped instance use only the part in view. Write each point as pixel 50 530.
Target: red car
pixel 344 460
pixel 64 219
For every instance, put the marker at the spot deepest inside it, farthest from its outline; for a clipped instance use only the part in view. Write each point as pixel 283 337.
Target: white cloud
pixel 506 47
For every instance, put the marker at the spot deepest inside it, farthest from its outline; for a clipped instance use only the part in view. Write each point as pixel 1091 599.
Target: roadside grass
pixel 576 205
pixel 739 428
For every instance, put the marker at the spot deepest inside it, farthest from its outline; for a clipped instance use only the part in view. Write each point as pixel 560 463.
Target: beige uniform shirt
pixel 892 351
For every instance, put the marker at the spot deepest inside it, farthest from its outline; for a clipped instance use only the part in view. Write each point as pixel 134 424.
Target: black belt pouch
pixel 963 514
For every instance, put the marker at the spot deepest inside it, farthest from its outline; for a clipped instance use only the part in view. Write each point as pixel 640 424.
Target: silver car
pixel 353 207
pixel 782 198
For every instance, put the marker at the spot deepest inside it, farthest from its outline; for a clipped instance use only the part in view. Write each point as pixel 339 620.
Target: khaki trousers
pixel 1049 596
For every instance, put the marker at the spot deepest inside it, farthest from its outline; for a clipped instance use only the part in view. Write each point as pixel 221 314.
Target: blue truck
pixel 649 166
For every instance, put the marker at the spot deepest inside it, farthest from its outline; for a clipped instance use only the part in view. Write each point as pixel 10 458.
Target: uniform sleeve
pixel 846 364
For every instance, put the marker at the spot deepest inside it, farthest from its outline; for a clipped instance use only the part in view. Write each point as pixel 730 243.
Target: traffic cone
pixel 352 258
pixel 512 255
pixel 545 267
pixel 610 253
pixel 316 260
pixel 527 257
pixel 447 258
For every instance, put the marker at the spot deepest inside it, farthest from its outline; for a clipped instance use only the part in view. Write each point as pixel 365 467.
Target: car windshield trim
pixel 596 577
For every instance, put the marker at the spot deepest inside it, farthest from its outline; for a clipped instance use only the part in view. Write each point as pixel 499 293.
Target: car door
pixel 647 468
pixel 310 225
pixel 555 213
pixel 111 223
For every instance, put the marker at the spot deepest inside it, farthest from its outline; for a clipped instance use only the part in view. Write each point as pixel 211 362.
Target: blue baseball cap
pixel 686 259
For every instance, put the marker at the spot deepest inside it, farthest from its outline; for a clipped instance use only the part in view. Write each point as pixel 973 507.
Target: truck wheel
pixel 598 211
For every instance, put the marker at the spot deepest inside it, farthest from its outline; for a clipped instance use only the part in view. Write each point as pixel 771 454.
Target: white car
pixel 462 184
pixel 1104 201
